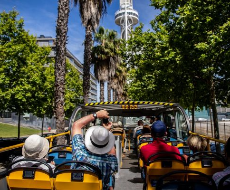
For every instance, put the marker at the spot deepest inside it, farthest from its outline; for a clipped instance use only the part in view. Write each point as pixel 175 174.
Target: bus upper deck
pixel 177 174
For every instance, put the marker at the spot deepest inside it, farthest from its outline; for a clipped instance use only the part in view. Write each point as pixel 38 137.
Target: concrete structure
pixel 126 18
pixel 49 41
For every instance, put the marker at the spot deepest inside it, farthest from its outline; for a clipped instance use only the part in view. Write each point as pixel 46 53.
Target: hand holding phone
pixel 106 123
pixel 105 120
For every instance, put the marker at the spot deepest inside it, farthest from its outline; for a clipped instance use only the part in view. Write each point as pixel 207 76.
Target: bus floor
pixel 129 175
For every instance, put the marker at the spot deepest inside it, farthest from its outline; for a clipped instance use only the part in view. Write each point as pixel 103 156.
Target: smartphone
pixel 50 159
pixel 105 120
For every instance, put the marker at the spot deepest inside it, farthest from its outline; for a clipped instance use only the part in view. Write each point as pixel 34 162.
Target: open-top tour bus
pixel 129 112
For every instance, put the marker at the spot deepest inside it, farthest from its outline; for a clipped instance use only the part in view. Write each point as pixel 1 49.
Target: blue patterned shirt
pixel 219 175
pixel 107 163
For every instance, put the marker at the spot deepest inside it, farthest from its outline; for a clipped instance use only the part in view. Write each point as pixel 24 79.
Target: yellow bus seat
pixel 138 137
pixel 168 181
pixel 185 150
pixel 162 164
pixel 175 143
pixel 206 162
pixel 140 161
pixel 119 132
pixel 82 179
pixel 224 183
pixel 145 141
pixel 23 178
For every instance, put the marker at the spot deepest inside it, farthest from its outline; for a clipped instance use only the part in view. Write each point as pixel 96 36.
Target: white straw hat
pixel 99 140
pixel 35 147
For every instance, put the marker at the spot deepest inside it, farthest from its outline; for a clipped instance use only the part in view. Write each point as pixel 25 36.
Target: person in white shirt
pixel 137 131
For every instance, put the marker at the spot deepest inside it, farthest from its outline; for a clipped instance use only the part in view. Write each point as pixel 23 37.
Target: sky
pixel 40 19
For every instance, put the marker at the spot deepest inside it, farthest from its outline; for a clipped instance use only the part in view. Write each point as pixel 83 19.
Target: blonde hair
pixel 196 143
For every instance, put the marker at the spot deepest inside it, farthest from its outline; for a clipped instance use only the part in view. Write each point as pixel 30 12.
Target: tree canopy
pixel 185 58
pixel 27 72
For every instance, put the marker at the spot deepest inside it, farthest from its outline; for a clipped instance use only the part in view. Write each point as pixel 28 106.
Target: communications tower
pixel 126 18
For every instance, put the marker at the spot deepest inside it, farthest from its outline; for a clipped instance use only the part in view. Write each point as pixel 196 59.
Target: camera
pixel 105 120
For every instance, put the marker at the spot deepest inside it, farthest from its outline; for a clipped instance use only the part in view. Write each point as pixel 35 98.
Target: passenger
pixel 197 144
pixel 138 129
pixel 98 143
pixel 219 175
pixel 158 131
pixel 118 127
pixel 146 134
pixel 146 131
pixel 35 147
pixel 152 119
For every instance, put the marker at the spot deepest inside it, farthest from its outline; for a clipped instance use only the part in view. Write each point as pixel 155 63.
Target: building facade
pixel 49 41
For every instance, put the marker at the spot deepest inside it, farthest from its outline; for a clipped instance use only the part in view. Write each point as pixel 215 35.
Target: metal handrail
pixel 21 144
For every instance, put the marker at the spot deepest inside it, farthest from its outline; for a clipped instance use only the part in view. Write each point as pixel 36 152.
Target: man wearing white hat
pixel 99 141
pixel 35 148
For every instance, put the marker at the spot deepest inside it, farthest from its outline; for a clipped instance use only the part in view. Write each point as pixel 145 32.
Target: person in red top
pixel 158 131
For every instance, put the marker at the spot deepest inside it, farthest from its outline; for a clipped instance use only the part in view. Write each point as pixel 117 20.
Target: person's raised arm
pixel 79 124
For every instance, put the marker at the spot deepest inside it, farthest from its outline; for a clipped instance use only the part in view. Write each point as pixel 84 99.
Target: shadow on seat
pixel 73 179
pixel 206 162
pixel 167 182
pixel 160 164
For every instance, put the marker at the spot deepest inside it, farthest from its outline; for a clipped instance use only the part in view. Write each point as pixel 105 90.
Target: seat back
pixel 185 150
pixel 140 161
pixel 61 156
pixel 175 143
pixel 224 183
pixel 169 181
pixel 29 177
pixel 165 163
pixel 205 162
pixel 73 179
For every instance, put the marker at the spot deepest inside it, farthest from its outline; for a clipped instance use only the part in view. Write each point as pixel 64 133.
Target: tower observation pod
pixel 126 18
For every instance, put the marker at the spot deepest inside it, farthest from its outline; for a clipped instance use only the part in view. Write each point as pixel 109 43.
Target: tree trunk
pixel 19 121
pixel 193 111
pixel 214 112
pixel 211 120
pixel 101 91
pixel 43 123
pixel 114 95
pixel 117 96
pixel 87 62
pixel 60 66
pixel 193 118
pixel 109 91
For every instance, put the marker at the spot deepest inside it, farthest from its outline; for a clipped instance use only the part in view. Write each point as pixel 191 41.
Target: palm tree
pixel 118 82
pixel 105 58
pixel 91 12
pixel 60 64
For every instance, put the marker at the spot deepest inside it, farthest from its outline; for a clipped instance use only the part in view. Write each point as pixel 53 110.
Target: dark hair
pixel 146 129
pixel 158 117
pixel 140 122
pixel 227 149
